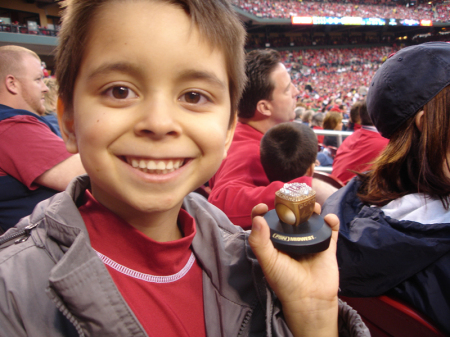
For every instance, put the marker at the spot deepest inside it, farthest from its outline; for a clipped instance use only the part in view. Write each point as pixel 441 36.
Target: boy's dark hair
pixel 215 19
pixel 258 67
pixel 287 151
pixel 364 114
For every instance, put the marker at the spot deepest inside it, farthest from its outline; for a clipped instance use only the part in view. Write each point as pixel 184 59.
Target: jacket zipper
pixel 25 233
pixel 62 308
pixel 244 323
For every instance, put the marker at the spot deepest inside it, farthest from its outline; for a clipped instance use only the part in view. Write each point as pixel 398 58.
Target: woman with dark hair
pixel 395 219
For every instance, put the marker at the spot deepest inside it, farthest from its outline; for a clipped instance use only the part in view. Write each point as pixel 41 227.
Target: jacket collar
pixel 220 248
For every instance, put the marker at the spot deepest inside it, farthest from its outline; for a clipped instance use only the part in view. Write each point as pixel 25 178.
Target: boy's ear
pixel 66 125
pixel 419 120
pixel 230 135
pixel 264 107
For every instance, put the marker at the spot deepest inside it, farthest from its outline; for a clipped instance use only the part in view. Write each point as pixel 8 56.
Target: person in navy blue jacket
pixel 395 221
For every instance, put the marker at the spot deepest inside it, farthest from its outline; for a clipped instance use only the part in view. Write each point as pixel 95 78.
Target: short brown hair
pixel 331 120
pixel 364 114
pixel 11 59
pixel 413 161
pixel 307 116
pixel 259 64
pixel 287 151
pixel 215 19
pixel 354 112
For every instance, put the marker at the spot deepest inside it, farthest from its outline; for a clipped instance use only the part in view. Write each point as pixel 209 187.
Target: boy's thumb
pixel 259 240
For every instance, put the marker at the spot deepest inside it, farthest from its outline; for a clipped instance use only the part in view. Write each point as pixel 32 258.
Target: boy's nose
pixel 158 120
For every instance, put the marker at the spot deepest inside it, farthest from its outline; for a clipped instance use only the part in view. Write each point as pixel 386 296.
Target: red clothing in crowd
pixel 319 137
pixel 28 148
pixel 357 152
pixel 160 281
pixel 241 183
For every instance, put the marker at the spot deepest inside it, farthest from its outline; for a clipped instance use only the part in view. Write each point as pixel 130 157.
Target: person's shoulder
pixel 343 197
pixel 22 119
pixel 206 213
pixel 24 123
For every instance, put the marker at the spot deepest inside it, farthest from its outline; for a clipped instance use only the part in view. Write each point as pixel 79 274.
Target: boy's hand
pixel 307 287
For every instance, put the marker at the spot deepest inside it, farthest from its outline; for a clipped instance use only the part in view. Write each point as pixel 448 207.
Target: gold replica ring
pixel 294 203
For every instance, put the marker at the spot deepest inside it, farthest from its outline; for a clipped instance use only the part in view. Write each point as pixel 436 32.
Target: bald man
pixel 34 162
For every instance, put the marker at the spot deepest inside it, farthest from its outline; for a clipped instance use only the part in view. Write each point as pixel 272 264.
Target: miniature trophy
pixel 294 227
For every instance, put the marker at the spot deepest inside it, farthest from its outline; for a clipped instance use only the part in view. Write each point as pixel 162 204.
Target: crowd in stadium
pixel 333 71
pixel 285 9
pixel 180 176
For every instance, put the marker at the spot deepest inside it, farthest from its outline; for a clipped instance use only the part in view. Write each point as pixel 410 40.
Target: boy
pixel 288 151
pixel 146 91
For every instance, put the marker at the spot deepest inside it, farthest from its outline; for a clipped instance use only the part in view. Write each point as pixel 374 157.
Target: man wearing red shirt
pixel 268 99
pixel 34 162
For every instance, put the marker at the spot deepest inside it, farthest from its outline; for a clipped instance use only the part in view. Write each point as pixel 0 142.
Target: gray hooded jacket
pixel 52 283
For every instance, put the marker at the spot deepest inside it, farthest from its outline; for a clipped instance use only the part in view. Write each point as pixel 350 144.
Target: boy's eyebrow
pixel 127 67
pixel 202 75
pixel 123 67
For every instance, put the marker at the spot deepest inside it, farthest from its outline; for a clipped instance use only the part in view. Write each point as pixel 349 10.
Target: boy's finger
pixel 259 240
pixel 333 221
pixel 259 209
pixel 317 208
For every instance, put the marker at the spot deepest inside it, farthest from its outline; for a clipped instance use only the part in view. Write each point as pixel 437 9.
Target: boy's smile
pixel 155 166
pixel 151 110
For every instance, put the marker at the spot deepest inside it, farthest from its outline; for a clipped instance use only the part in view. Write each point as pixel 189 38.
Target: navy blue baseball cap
pixel 407 81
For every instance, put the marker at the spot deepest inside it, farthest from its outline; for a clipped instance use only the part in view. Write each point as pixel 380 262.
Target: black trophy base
pixel 311 236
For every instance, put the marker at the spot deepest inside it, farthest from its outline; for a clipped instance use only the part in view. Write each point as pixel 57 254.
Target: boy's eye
pixel 193 97
pixel 121 92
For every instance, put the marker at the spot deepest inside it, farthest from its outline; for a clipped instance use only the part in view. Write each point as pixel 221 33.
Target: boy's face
pixel 151 108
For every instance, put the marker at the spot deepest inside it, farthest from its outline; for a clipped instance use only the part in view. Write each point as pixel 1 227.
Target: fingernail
pixel 256 226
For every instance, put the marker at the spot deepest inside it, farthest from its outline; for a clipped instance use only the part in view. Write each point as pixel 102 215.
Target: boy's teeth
pixel 156 166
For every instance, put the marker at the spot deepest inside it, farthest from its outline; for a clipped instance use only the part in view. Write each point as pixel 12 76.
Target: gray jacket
pixel 52 282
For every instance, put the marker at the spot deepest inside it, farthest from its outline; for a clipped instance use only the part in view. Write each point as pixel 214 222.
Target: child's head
pixel 216 21
pixel 288 151
pixel 148 90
